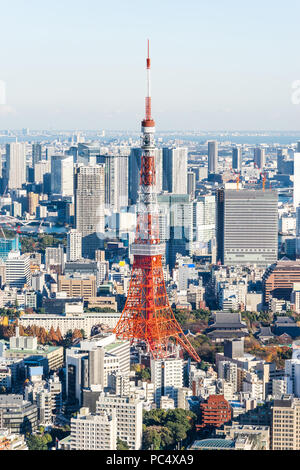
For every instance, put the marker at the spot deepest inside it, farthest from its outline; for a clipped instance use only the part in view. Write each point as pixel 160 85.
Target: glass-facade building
pixel 7 245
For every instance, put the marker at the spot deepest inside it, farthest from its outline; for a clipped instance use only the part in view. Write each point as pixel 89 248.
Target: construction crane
pixel 237 181
pixel 237 178
pixel 264 179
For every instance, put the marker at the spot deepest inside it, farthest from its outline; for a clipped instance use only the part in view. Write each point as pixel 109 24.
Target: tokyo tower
pixel 147 315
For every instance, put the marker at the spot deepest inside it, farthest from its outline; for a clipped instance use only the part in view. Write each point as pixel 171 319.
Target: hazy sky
pixel 216 64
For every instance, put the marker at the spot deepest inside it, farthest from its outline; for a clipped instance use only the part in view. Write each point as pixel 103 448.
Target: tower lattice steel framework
pixel 147 315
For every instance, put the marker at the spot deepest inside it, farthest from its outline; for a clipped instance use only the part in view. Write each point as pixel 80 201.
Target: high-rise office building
pixel 76 286
pixel 36 153
pixel 259 157
pixel 62 175
pixel 18 414
pixel 212 156
pixel 281 157
pixel 247 227
pixel 191 183
pixel 54 258
pixel 296 185
pixel 279 278
pixel 298 232
pixel 15 165
pixel 134 170
pixel 33 202
pixel 41 168
pixel 116 182
pixel 92 363
pixel 87 153
pixel 89 207
pixel 175 225
pixel 175 170
pixel 7 245
pixel 237 158
pixel 74 245
pixel 18 272
pixel 204 218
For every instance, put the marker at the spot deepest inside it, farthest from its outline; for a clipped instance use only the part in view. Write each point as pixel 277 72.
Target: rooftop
pixel 217 444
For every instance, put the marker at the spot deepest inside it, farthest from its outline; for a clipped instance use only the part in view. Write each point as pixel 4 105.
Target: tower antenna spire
pixel 147 315
pixel 148 95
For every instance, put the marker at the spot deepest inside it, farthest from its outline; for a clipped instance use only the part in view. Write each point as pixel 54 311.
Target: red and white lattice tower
pixel 147 315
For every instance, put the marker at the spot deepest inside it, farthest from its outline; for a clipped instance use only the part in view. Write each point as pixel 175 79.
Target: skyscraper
pixel 191 183
pixel 281 156
pixel 74 245
pixel 40 169
pixel 259 157
pixel 296 179
pixel 247 227
pixel 175 170
pixel 237 158
pixel 89 206
pixel 134 168
pixel 15 165
pixel 204 218
pixel 116 181
pixel 62 175
pixel 212 156
pixel 36 153
pixel 88 153
pixel 175 225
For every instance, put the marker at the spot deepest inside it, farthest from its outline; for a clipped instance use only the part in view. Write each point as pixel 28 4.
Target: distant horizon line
pixel 172 131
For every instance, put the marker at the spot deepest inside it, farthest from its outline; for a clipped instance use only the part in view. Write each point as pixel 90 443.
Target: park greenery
pixel 39 441
pixel 194 320
pixel 271 352
pixel 141 372
pixel 52 337
pixel 163 429
pixel 39 242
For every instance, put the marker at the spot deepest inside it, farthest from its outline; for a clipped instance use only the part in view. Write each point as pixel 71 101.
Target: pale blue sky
pixel 216 64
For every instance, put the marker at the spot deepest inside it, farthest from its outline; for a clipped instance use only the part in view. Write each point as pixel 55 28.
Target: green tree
pixel 35 442
pixel 164 428
pixel 122 445
pixel 157 438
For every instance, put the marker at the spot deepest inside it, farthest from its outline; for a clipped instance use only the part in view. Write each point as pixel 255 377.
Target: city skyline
pixel 84 71
pixel 149 282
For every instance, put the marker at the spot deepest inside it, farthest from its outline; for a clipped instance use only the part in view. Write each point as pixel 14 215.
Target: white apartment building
pixel 84 321
pixel 93 432
pixel 62 178
pixel 74 245
pixel 285 426
pixel 18 272
pixel 167 376
pixel 228 371
pixel 254 386
pixel 129 417
pixel 16 164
